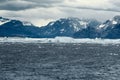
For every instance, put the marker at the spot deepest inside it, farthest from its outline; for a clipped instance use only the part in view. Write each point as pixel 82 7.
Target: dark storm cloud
pixel 3 1
pixel 15 5
pixel 99 5
pixel 46 3
pixel 99 9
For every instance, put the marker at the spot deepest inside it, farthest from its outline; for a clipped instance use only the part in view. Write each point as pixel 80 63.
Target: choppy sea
pixel 62 61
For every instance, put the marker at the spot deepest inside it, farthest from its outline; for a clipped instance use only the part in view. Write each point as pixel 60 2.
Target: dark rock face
pixel 89 32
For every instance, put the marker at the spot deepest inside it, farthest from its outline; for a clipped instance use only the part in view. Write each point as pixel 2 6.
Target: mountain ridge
pixel 68 27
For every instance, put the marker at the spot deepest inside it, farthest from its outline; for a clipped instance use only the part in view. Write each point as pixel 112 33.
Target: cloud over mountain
pixel 38 11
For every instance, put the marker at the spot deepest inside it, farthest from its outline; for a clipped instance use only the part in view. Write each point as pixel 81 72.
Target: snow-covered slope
pixel 4 20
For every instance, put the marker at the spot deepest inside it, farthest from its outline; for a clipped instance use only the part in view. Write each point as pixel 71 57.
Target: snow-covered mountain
pixel 69 27
pixel 110 29
pixel 17 28
pixel 6 20
pixel 66 27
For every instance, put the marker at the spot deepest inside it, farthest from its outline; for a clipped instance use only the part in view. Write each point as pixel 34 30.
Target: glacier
pixel 59 40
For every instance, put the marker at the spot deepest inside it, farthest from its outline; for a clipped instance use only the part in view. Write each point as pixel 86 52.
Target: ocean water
pixel 51 61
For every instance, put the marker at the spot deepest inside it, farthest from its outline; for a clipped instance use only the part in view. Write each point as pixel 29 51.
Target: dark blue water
pixel 32 61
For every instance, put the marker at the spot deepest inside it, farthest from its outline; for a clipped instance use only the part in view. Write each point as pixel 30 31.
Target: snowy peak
pixel 110 29
pixel 78 23
pixel 111 23
pixel 67 23
pixel 14 22
pixel 68 27
pixel 116 20
pixel 4 20
pixel 75 23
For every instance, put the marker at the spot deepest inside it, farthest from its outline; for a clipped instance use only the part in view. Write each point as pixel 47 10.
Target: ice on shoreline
pixel 59 40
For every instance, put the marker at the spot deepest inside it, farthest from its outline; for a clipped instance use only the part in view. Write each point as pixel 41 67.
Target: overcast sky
pixel 40 12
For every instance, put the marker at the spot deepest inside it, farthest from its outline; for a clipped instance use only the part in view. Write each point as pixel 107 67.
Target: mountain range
pixel 68 27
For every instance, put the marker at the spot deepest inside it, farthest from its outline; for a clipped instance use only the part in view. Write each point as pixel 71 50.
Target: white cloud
pixel 44 11
pixel 106 5
pixel 86 3
pixel 42 22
